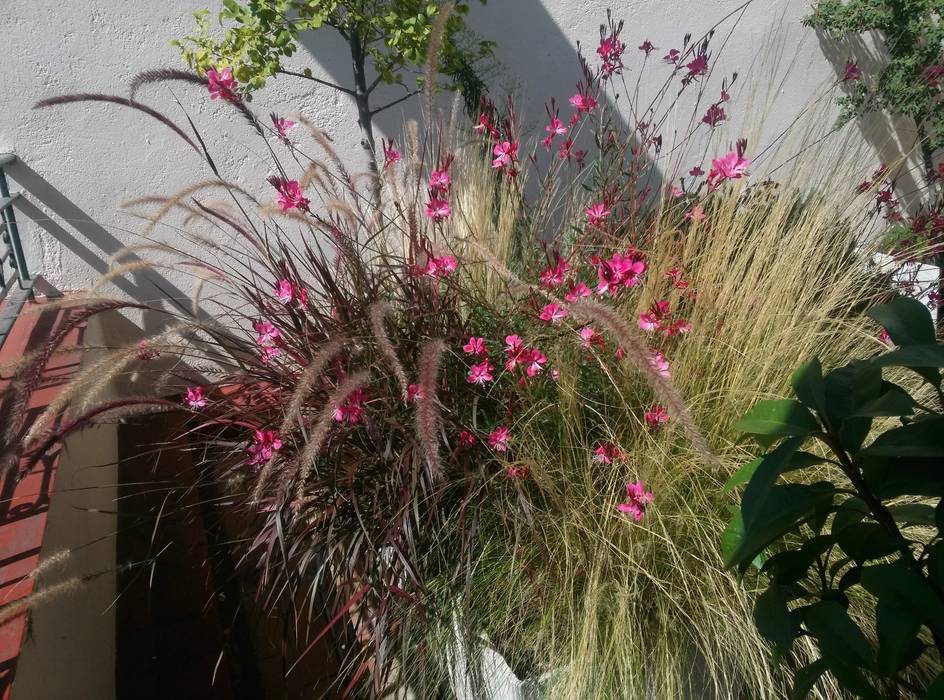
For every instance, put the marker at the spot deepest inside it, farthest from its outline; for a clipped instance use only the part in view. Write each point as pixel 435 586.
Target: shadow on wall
pixel 890 136
pixel 536 59
pixel 145 286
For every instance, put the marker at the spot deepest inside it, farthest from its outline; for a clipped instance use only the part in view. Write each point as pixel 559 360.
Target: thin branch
pixel 370 88
pixel 395 102
pixel 317 80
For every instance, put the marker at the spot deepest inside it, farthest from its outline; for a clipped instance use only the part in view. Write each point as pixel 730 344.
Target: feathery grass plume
pixel 126 102
pixel 638 351
pixel 162 75
pixel 11 610
pixel 321 138
pixel 434 46
pixel 378 312
pixel 50 561
pixel 177 198
pixel 428 421
pixel 293 412
pixel 121 271
pixel 319 433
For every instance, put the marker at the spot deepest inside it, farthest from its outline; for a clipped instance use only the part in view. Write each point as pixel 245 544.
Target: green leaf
pixel 913 514
pixel 890 477
pixel 799 460
pixel 849 512
pixel 894 402
pixel 805 679
pixel 899 586
pixel 913 356
pixel 774 620
pixel 849 387
pixel 764 477
pixel 907 321
pixel 788 567
pixel 897 632
pixel 780 417
pixel 808 385
pixel 936 689
pixel 868 540
pixel 924 438
pixel 838 636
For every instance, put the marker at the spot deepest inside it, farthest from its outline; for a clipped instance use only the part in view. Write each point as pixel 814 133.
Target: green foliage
pixel 393 34
pixel 823 544
pixel 913 33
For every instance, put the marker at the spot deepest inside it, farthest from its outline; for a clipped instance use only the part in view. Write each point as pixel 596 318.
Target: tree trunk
pixel 928 160
pixel 364 116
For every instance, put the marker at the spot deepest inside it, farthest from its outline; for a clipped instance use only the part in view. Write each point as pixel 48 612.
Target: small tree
pixel 391 36
pixel 910 85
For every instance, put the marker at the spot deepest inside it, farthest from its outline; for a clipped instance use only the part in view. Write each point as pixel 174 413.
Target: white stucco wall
pixel 81 161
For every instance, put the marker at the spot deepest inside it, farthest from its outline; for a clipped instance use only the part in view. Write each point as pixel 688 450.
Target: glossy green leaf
pixel 838 636
pixel 895 401
pixel 865 541
pixel 897 631
pixel 779 417
pixel 899 586
pixel 764 477
pixel 907 321
pixel 807 382
pixel 799 460
pixel 774 620
pixel 913 514
pixel 791 566
pixel 924 438
pixel 805 679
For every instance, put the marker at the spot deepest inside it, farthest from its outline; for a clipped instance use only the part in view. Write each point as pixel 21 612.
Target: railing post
pixel 13 233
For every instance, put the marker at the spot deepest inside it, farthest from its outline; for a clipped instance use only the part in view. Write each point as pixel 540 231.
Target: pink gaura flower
pixel 467 438
pixel 439 180
pixel 480 373
pixel 498 439
pixel 556 127
pixel 885 338
pixel 620 271
pixel 533 361
pixel 290 194
pixel 267 334
pixel 597 213
pixel 656 416
pixel 672 56
pixel 195 397
pixel 265 443
pixel 555 375
pixel 413 392
pixel 659 363
pixel 552 313
pixel 577 291
pixel 732 166
pixel 583 102
pixel 675 274
pixel 677 191
pixel 352 410
pixel 852 72
pixel 475 346
pixel 391 154
pixel 637 498
pixel 610 52
pixel 285 291
pixel 646 47
pixel 222 85
pixel 267 352
pixel 443 266
pixel 698 67
pixel 519 472
pixel 282 126
pixel 714 116
pixel 589 337
pixel 505 153
pixel 696 213
pixel 696 171
pixel 606 452
pixel 438 209
pixel 555 276
pixel 513 344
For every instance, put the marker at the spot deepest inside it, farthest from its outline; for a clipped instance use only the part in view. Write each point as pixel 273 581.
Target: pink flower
pixel 438 209
pixel 555 375
pixel 678 327
pixel 352 410
pixel 659 363
pixel 265 444
pixel 533 361
pixel 467 438
pixel 555 276
pixel 391 154
pixel 698 66
pixel 675 274
pixel 439 181
pixel 714 116
pixel 637 498
pixel 413 392
pixel 577 291
pixel 597 213
pixel 521 472
pixel 282 126
pixel 498 439
pixel 610 52
pixel 672 56
pixel 933 75
pixel 290 194
pixel 480 373
pixel 646 47
pixel 583 102
pixel 677 191
pixel 222 85
pixel 732 166
pixel 443 266
pixel 656 416
pixel 504 152
pixel 606 452
pixel 648 322
pixel 696 171
pixel 475 346
pixel 552 313
pixel 285 291
pixel 267 333
pixel 555 128
pixel 195 397
pixel 513 344
pixel 885 338
pixel 696 213
pixel 851 72
pixel 589 338
pixel 267 353
pixel 620 271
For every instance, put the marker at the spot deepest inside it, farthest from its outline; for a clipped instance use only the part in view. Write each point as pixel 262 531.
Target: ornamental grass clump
pixel 489 412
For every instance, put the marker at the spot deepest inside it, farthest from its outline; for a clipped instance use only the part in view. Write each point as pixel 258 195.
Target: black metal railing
pixel 16 285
